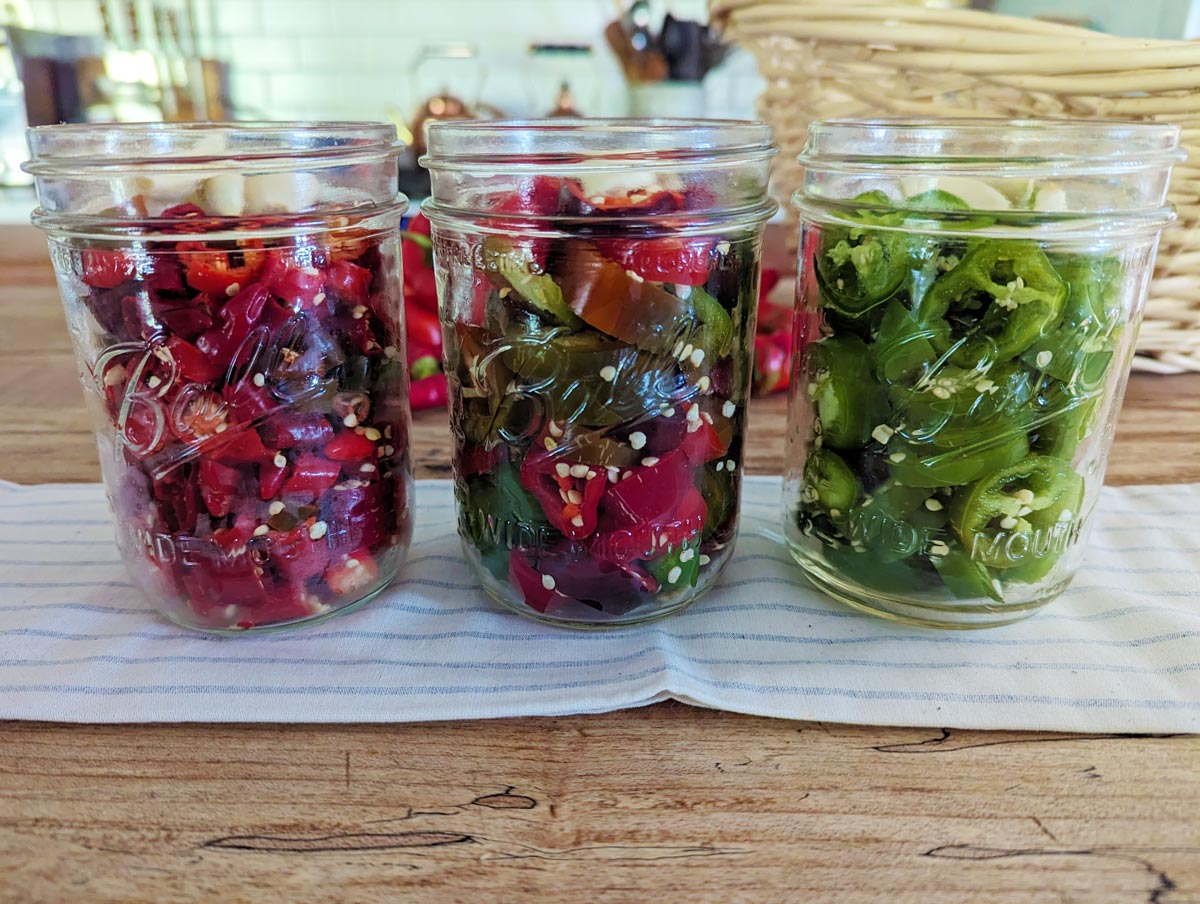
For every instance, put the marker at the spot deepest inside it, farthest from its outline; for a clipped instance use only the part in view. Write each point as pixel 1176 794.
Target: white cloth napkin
pixel 1117 653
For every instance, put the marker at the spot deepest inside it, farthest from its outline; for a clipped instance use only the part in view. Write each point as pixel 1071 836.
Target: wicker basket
pixel 864 57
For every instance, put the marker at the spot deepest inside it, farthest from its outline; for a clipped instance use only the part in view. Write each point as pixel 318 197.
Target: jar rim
pixel 1024 143
pixel 591 143
pixel 79 148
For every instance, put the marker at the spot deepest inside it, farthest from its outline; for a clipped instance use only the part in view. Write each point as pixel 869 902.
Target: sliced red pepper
pixel 651 494
pixel 297 555
pixel 105 306
pixel 178 495
pixel 650 539
pixel 241 445
pixel 218 485
pixel 186 211
pixel 198 415
pixel 289 429
pixel 532 584
pixel 311 476
pixel 706 442
pixel 236 319
pixel 297 286
pixel 271 479
pixel 569 492
pixel 187 319
pixel 355 333
pixel 194 365
pixel 249 401
pixel 141 321
pixel 352 574
pixel 541 196
pixel 358 514
pixel 103 269
pixel 143 430
pixel 349 282
pixel 672 259
pixel 476 459
pixel 286 601
pixel 349 446
pixel 217 272
pixel 636 201
pixel 223 572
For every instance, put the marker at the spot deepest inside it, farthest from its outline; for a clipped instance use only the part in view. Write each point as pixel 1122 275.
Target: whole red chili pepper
pixel 424 329
pixel 430 392
pixel 420 288
pixel 772 359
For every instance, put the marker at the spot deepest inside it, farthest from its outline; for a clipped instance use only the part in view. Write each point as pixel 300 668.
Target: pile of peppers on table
pixel 953 381
pixel 600 377
pixel 256 392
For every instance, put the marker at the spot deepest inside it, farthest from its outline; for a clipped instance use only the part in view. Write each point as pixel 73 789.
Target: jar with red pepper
pixel 234 297
pixel 598 284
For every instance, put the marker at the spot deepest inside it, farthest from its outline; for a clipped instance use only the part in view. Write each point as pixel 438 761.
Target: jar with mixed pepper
pixel 598 284
pixel 233 293
pixel 968 301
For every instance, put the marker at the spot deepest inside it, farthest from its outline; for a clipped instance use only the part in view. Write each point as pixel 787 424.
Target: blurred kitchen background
pixel 402 60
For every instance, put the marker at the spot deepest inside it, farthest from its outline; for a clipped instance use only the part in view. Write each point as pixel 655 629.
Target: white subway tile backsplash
pixel 73 16
pixel 357 58
pixel 264 54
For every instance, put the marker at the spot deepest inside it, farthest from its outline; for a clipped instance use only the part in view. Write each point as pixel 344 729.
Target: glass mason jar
pixel 598 284
pixel 233 294
pixel 969 296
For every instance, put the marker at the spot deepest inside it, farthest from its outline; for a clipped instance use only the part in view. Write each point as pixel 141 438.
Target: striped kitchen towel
pixel 1120 651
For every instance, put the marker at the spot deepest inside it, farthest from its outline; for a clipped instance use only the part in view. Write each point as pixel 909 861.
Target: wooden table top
pixel 686 803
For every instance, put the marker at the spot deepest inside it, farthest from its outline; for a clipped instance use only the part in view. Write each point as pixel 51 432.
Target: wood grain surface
pixel 668 801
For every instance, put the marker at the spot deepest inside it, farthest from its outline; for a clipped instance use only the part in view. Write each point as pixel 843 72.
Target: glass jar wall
pixel 598 283
pixel 233 294
pixel 968 301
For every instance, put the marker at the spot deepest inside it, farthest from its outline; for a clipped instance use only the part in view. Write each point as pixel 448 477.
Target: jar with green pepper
pixel 968 300
pixel 598 283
